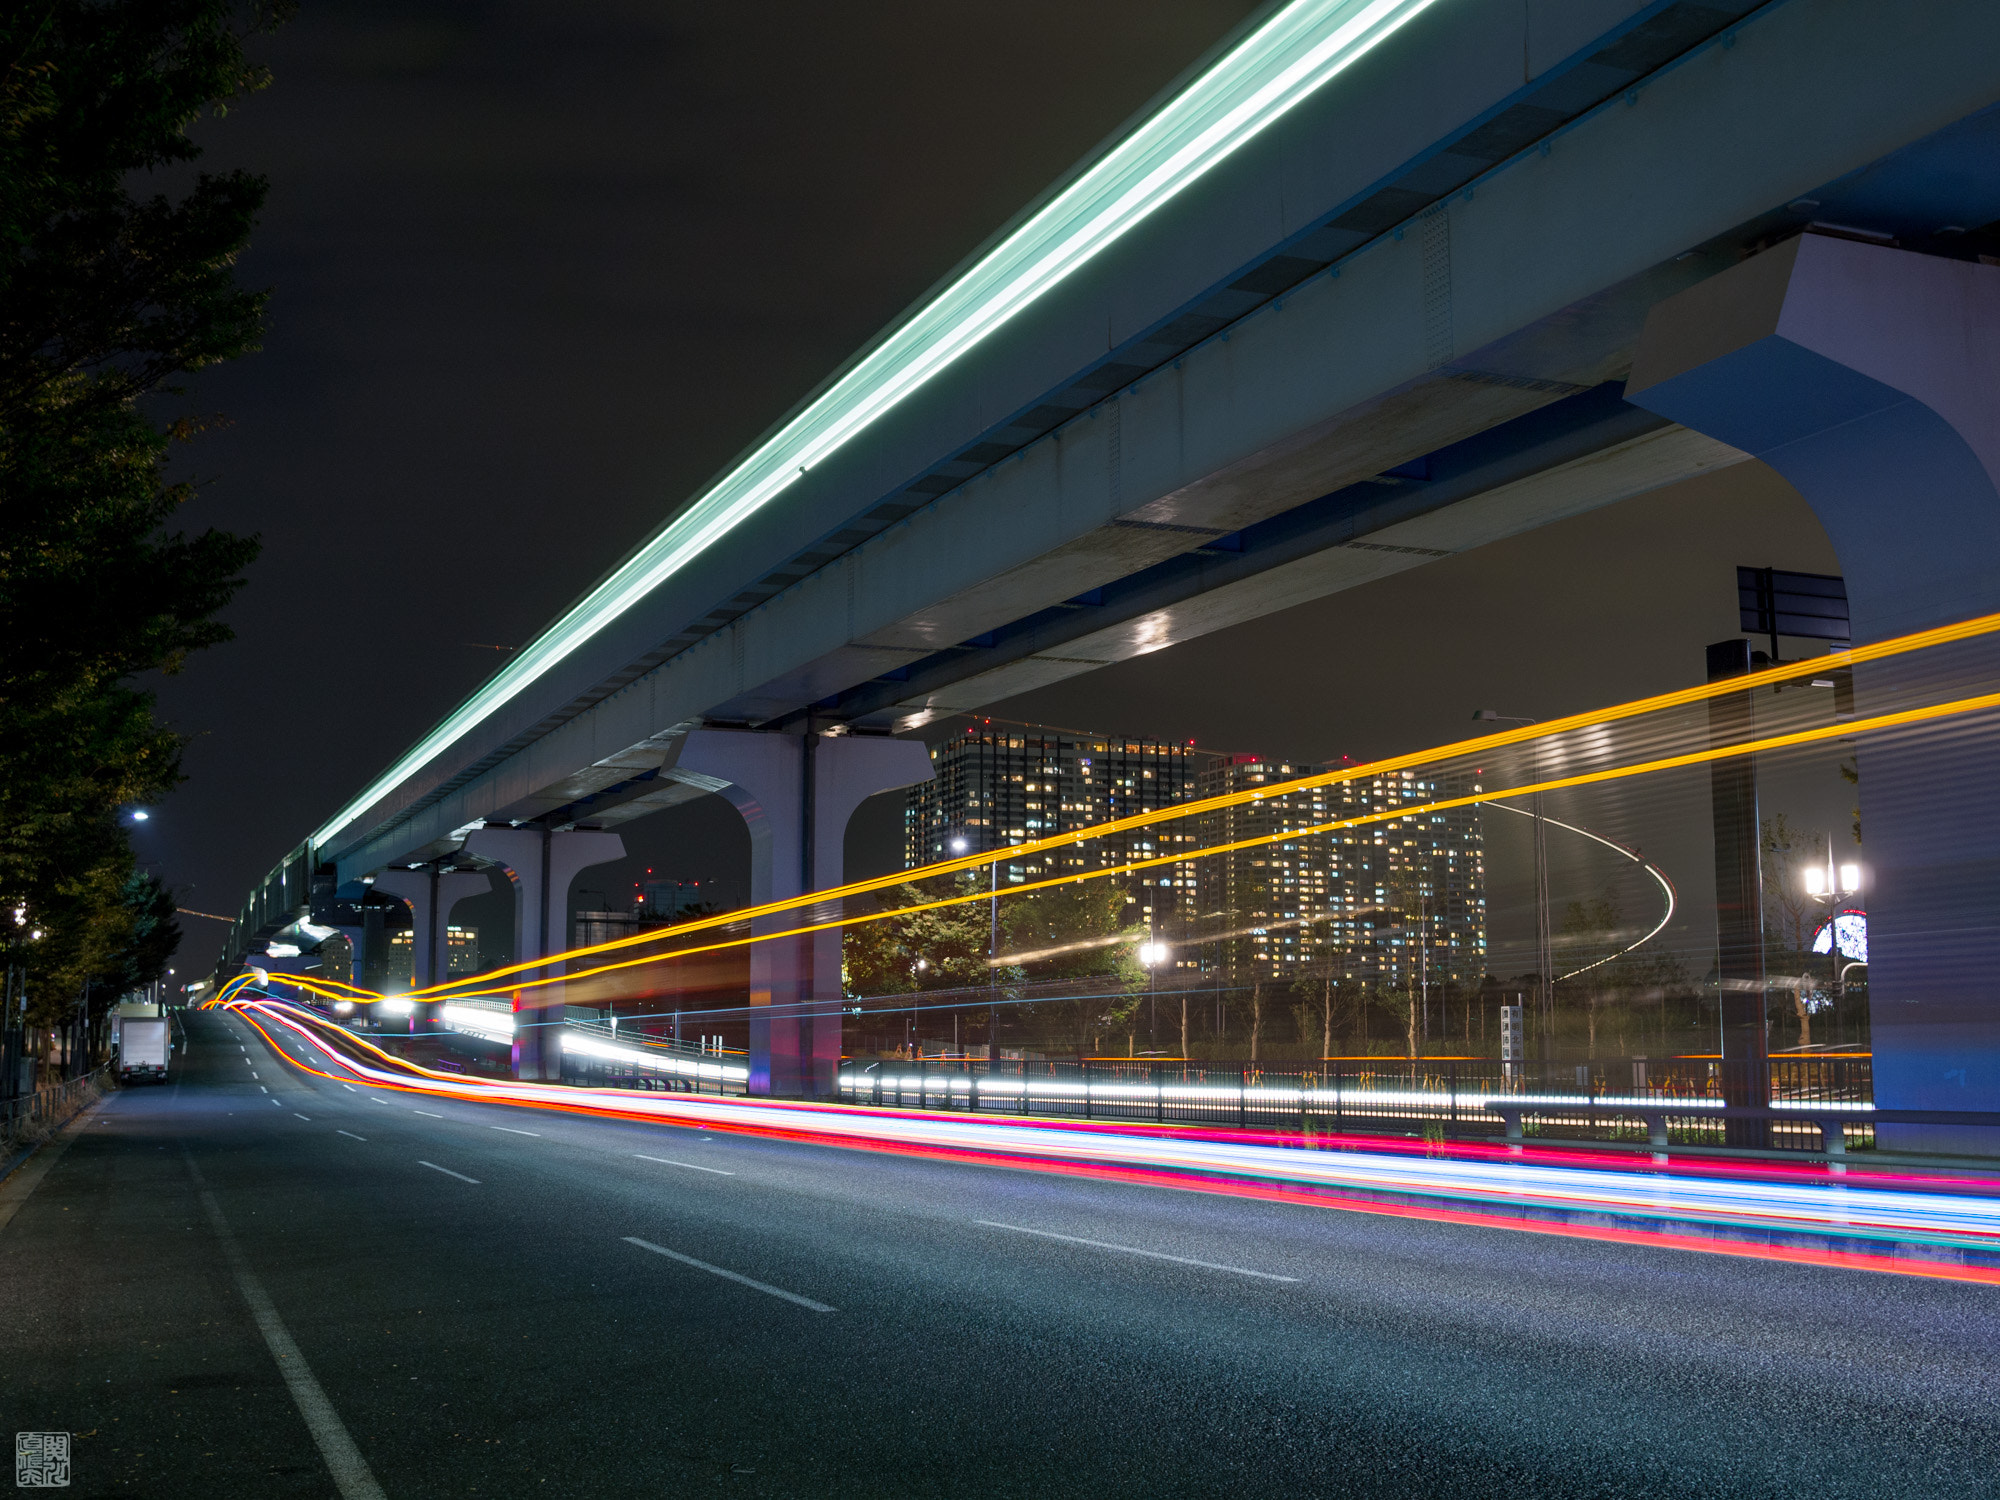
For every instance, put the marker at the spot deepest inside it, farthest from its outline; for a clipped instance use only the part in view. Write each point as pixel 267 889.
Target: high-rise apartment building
pixel 997 786
pixel 1392 900
pixel 1395 900
pixel 461 950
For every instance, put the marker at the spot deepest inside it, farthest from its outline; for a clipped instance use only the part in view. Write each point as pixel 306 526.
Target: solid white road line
pixel 302 1117
pixel 351 1135
pixel 702 1265
pixel 449 1173
pixel 668 1161
pixel 350 1471
pixel 426 1112
pixel 512 1131
pixel 1206 1265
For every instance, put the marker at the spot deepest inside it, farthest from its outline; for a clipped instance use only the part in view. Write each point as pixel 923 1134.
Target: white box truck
pixel 143 1048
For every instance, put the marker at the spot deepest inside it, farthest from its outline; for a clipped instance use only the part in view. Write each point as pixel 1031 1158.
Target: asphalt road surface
pixel 384 1295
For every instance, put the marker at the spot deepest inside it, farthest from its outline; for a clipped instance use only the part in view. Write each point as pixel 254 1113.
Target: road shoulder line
pixel 350 1471
pixel 24 1179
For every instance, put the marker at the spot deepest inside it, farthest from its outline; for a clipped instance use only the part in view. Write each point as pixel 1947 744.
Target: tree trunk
pixel 1256 1017
pixel 1805 1017
pixel 1411 1011
pixel 1184 1049
pixel 1326 1018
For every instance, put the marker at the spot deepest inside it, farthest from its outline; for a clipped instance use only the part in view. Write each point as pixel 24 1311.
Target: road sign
pixel 1811 605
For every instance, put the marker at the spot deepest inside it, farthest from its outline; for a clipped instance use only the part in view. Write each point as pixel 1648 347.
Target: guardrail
pixel 1670 1101
pixel 30 1119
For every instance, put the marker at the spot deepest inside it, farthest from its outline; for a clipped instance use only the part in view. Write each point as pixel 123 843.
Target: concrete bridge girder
pixel 1545 273
pixel 1544 269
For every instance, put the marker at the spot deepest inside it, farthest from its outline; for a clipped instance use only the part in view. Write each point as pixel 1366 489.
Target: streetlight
pixel 1831 884
pixel 1153 953
pixel 958 846
pixel 1544 965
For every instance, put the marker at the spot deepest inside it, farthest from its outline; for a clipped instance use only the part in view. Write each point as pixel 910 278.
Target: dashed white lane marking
pixel 1206 1265
pixel 740 1280
pixel 351 1135
pixel 302 1117
pixel 375 1099
pixel 449 1173
pixel 667 1161
pixel 512 1131
pixel 350 1088
pixel 426 1112
pixel 276 1105
pixel 261 1086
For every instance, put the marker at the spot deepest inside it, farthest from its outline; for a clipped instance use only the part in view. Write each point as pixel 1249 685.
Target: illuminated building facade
pixel 461 950
pixel 1393 902
pixel 998 785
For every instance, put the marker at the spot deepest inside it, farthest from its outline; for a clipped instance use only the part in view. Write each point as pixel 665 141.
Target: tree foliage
pixel 1072 932
pixel 109 293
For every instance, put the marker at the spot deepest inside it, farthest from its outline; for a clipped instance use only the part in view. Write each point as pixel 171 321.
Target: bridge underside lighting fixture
pixel 1273 70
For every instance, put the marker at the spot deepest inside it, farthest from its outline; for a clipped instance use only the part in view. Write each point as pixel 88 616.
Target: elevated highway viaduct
pixel 1364 289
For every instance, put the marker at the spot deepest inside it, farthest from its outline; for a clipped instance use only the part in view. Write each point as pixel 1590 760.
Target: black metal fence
pixel 1679 1100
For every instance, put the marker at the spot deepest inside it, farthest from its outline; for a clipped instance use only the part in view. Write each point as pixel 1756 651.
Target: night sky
pixel 538 272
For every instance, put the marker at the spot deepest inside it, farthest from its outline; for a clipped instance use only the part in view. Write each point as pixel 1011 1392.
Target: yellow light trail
pixel 1679 698
pixel 1585 778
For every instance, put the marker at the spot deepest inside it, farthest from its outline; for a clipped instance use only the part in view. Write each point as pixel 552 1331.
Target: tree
pixel 946 948
pixel 1085 931
pixel 1408 891
pixel 1590 933
pixel 108 295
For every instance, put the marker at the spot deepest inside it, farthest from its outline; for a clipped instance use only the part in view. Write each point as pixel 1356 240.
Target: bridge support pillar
pixel 796 792
pixel 541 863
pixel 430 893
pixel 1870 378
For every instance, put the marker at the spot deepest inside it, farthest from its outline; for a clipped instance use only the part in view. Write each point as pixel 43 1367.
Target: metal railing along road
pixel 1678 1100
pixel 30 1119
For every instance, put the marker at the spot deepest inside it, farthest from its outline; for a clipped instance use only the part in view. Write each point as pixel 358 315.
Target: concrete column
pixel 797 793
pixel 1870 378
pixel 541 865
pixel 430 893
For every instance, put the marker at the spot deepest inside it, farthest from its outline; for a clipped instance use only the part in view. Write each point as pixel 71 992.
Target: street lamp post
pixel 1830 885
pixel 1545 998
pixel 959 846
